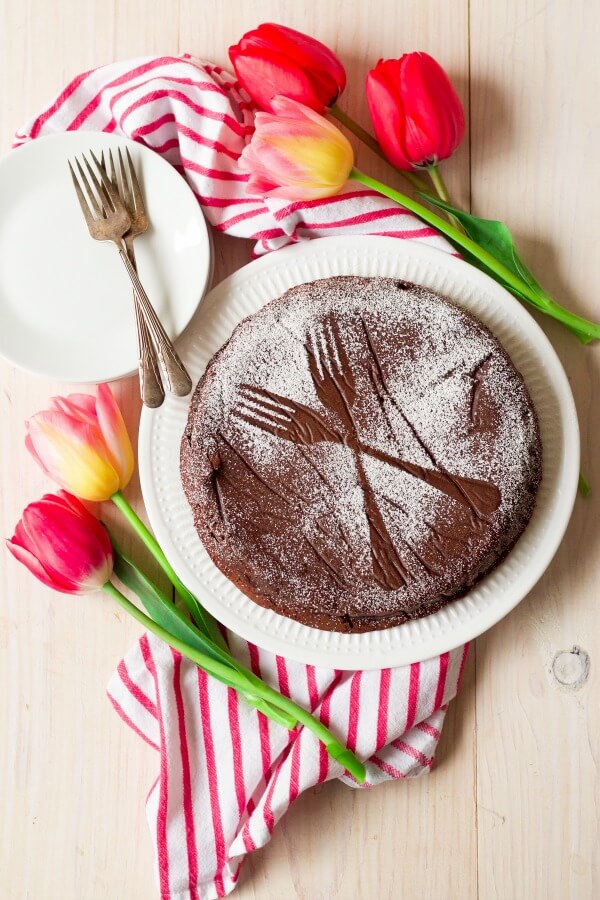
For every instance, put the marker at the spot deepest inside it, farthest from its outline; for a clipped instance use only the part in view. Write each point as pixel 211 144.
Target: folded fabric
pixel 227 774
pixel 197 117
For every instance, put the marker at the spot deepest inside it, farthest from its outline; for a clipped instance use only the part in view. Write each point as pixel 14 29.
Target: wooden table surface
pixel 511 809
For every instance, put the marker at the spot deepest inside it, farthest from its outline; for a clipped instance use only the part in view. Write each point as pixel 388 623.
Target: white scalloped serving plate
pixel 249 289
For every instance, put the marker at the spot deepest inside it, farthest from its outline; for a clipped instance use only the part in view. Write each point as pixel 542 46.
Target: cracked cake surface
pixel 359 453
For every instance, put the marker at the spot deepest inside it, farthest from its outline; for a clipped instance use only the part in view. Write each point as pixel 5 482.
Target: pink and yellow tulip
pixel 81 442
pixel 296 154
pixel 63 545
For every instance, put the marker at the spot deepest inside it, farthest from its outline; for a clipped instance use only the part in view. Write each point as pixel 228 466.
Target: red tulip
pixel 416 113
pixel 274 60
pixel 63 545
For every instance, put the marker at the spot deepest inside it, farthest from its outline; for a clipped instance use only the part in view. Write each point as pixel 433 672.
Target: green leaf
pixel 584 486
pixel 162 610
pixel 495 237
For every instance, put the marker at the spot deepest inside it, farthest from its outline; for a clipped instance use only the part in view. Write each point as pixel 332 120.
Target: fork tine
pixel 262 408
pixel 113 172
pixel 260 395
pixel 258 423
pixel 102 162
pixel 102 194
pixel 96 202
pixel 138 199
pixel 338 344
pixel 313 365
pixel 325 356
pixel 339 364
pixel 262 415
pixel 330 347
pixel 126 190
pixel 111 190
pixel 87 213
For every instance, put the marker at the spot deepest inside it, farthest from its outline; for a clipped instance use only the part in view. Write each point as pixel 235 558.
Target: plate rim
pixel 77 136
pixel 466 631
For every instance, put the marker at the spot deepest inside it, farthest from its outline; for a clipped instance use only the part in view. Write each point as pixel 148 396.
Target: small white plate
pixel 65 300
pixel 493 597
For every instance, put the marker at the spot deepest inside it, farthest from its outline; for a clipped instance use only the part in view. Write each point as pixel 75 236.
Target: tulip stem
pixel 373 145
pixel 442 191
pixel 201 619
pixel 584 329
pixel 197 612
pixel 232 678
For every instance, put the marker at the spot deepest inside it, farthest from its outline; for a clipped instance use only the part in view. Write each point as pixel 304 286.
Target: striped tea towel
pixel 227 774
pixel 197 117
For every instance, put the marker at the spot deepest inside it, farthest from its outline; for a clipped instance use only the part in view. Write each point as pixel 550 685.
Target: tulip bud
pixel 81 442
pixel 63 545
pixel 417 116
pixel 274 60
pixel 297 154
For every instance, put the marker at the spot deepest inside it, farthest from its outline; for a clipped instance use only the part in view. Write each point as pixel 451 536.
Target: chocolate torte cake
pixel 359 453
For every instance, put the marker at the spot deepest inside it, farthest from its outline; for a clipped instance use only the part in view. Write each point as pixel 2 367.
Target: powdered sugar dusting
pixel 432 388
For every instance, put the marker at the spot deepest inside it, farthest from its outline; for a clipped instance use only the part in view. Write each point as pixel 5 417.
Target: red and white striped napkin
pixel 227 774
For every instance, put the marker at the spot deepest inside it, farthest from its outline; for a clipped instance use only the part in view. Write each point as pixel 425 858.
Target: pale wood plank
pixel 73 779
pixel 403 839
pixel 535 133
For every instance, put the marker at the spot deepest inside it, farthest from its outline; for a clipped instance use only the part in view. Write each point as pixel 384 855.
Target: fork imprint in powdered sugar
pixel 335 387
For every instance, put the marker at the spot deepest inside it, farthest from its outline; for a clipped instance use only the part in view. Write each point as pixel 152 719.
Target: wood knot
pixel 571 668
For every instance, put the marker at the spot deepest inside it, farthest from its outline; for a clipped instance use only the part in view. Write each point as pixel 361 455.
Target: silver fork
pixel 292 421
pixel 151 389
pixel 335 385
pixel 108 220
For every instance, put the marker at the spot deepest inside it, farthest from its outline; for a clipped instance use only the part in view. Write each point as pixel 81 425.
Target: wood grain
pixel 511 809
pixel 533 137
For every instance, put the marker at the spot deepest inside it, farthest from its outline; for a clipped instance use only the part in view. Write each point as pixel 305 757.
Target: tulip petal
pixel 265 78
pixel 297 154
pixel 273 59
pixel 79 406
pixel 70 502
pixel 63 544
pixel 73 454
pixel 72 548
pixel 434 114
pixel 30 447
pixel 260 186
pixel 292 109
pixel 321 65
pixel 27 558
pixel 417 115
pixel 303 49
pixel 115 434
pixel 65 499
pixel 387 111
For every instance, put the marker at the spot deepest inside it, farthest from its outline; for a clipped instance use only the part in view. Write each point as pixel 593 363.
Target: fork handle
pixel 389 571
pixel 151 389
pixel 482 497
pixel 178 380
